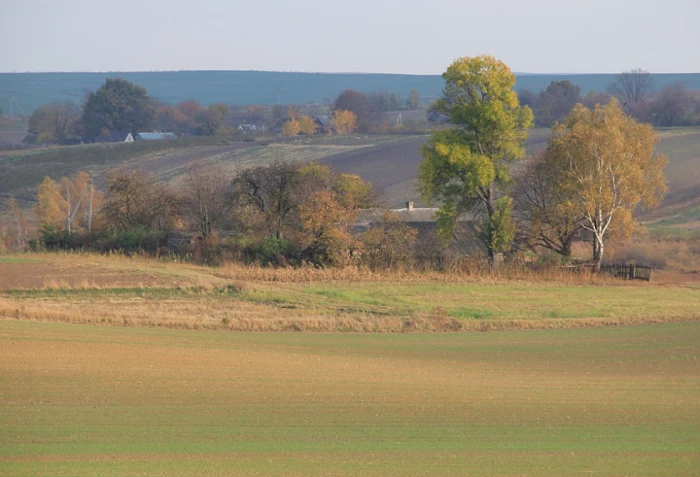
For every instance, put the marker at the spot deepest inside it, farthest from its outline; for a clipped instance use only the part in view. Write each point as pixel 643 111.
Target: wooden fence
pixel 628 272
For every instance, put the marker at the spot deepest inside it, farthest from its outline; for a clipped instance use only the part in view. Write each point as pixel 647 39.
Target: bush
pixel 274 251
pixel 131 240
pixel 209 251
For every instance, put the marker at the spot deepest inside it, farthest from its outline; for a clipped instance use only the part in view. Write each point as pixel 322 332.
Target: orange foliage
pixel 291 128
pixel 344 121
pixel 307 125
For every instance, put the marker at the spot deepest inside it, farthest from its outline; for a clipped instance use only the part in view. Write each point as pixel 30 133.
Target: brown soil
pixel 55 273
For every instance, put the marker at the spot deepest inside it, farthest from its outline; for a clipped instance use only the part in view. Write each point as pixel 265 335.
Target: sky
pixel 366 36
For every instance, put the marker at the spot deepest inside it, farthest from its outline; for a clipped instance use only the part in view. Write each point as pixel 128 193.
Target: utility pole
pixel 14 101
pixel 90 208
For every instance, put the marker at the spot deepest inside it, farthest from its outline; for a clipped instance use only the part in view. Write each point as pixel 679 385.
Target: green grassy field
pixel 118 291
pixel 99 401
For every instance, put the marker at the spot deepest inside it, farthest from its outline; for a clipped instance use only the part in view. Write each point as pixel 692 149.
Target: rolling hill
pixel 390 162
pixel 31 90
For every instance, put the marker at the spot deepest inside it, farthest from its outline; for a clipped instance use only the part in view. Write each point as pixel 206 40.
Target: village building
pixel 114 136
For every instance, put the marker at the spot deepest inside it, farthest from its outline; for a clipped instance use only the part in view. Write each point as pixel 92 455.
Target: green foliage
pixel 273 249
pixel 136 239
pixel 117 106
pixel 574 411
pixel 467 167
pixel 479 98
pixel 498 229
pixel 50 238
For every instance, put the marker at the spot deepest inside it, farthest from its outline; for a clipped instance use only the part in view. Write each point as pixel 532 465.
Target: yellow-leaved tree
pixel 51 207
pixel 291 128
pixel 307 125
pixel 344 121
pixel 606 160
pixel 465 169
pixel 67 205
pixel 17 229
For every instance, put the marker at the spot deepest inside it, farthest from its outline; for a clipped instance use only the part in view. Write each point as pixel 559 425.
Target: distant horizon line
pixel 522 73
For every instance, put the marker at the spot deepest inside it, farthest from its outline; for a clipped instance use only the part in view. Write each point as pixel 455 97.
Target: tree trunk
pixel 490 210
pixel 597 252
pixel 565 250
pixel 492 257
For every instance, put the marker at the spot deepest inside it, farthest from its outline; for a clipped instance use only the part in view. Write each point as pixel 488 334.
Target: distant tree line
pixel 119 105
pixel 672 105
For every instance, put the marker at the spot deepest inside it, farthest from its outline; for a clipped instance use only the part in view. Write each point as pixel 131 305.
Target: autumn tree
pixel 265 196
pixel 212 118
pixel 527 98
pixel 593 98
pixel 256 113
pixel 291 128
pixel 68 204
pixel 414 100
pixel 324 233
pixel 55 122
pixel 465 169
pixel 670 106
pixel 293 112
pixel 190 108
pixel 556 101
pixel 171 119
pixel 17 230
pixel 351 100
pixel 206 200
pixel 76 195
pixel 307 125
pixel 328 204
pixel 605 160
pixel 50 208
pixel 133 200
pixel 117 105
pixel 344 122
pixel 388 243
pixel 546 214
pixel 383 101
pixel 355 192
pixel 306 206
pixel 631 87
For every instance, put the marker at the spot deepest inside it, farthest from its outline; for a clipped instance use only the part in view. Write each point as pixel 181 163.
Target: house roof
pixel 323 120
pixel 155 136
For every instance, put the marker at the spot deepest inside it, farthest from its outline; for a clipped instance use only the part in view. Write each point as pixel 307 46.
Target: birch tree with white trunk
pixel 607 161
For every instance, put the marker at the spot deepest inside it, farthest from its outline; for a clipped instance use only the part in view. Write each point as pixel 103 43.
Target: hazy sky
pixel 376 36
